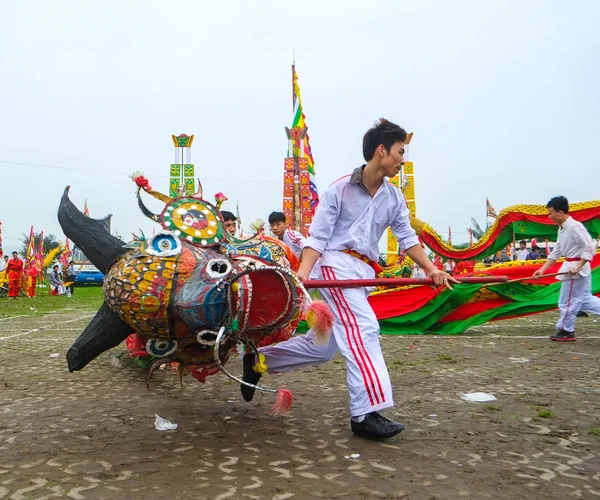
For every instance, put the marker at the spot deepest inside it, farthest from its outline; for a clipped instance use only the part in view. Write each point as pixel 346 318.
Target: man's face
pixel 15 255
pixel 278 228
pixel 6 258
pixel 231 226
pixel 558 217
pixel 523 246
pixel 392 160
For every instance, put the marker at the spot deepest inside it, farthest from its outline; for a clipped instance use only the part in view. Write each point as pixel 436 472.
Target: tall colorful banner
pixel 181 172
pixel 300 122
pixel 39 255
pixel 30 256
pixel 239 220
pixel 66 256
pixel 489 209
pixel 1 253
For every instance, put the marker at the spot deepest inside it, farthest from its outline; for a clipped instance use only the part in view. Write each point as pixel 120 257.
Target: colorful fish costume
pixel 189 293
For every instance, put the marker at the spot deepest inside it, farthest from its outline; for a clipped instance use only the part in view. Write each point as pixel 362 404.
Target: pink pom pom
pixel 320 320
pixel 283 403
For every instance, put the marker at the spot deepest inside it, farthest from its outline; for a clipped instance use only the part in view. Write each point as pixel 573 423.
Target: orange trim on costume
pixel 376 267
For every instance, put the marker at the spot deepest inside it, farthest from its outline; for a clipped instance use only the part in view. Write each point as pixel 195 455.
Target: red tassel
pixel 142 182
pixel 320 320
pixel 201 374
pixel 283 403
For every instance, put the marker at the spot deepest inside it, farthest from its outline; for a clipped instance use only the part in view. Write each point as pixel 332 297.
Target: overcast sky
pixel 503 98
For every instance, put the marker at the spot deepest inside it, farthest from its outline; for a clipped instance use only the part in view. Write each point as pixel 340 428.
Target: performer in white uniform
pixel 280 229
pixel 352 216
pixel 577 246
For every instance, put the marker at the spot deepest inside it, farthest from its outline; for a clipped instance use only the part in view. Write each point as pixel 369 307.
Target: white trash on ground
pixel 354 455
pixel 114 359
pixel 477 397
pixel 161 424
pixel 519 360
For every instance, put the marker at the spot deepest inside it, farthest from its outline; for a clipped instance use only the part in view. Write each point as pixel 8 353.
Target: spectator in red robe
pixel 15 274
pixel 33 271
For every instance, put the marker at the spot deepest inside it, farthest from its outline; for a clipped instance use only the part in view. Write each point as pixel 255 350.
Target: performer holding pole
pixel 576 245
pixel 352 216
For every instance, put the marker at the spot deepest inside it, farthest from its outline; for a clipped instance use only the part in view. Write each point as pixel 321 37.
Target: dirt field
pixel 91 434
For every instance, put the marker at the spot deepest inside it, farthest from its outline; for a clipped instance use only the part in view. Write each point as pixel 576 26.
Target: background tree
pixel 50 243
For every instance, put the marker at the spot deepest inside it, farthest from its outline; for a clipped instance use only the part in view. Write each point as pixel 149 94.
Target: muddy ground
pixel 91 434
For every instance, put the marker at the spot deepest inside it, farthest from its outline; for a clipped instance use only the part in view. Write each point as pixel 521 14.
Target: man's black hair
pixel 559 203
pixel 276 217
pixel 522 242
pixel 227 216
pixel 383 132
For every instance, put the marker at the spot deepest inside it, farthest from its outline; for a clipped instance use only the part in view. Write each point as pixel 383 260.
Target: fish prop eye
pixel 161 347
pixel 163 244
pixel 218 268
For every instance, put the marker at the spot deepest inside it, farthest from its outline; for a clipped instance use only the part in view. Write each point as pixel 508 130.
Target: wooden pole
pixel 394 282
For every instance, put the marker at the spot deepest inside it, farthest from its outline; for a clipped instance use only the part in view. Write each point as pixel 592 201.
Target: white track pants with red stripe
pixel 576 295
pixel 355 335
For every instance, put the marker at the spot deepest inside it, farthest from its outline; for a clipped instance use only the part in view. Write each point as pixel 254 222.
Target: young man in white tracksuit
pixel 352 216
pixel 280 229
pixel 576 245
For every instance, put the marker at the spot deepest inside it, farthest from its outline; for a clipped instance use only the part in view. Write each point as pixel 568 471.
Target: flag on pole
pixel 489 209
pixel 470 236
pixel 39 254
pixel 1 254
pixel 30 252
pixel 239 219
pixel 86 210
pixel 300 121
pixel 67 254
pixel 449 235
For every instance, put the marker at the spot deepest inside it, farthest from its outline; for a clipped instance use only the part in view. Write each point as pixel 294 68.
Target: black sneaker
pixel 582 314
pixel 376 427
pixel 563 336
pixel 249 376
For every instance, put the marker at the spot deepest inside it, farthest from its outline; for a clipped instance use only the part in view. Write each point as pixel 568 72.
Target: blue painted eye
pixel 161 347
pixel 163 244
